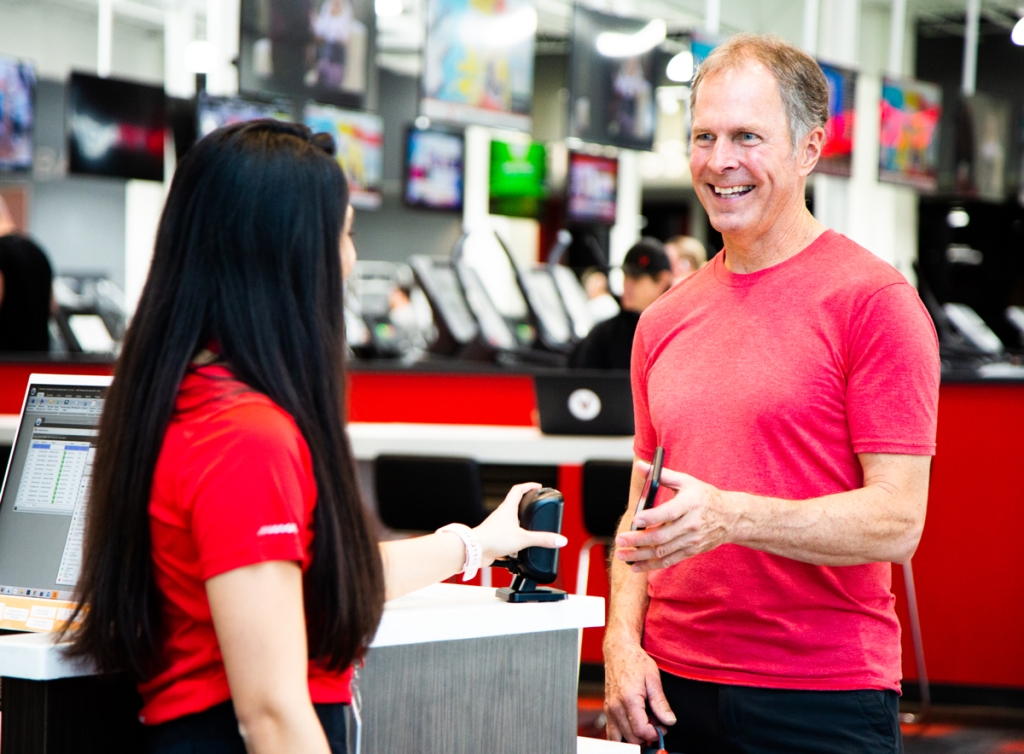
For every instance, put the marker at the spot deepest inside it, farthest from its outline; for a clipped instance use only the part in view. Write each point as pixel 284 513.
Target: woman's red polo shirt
pixel 233 487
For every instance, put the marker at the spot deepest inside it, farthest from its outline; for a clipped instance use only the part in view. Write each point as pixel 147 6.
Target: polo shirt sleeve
pixel 248 487
pixel 645 439
pixel 893 379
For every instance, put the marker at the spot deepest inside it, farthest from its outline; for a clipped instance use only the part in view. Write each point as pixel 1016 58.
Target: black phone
pixel 650 490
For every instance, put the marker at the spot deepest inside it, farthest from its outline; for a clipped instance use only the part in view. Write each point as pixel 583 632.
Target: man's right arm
pixel 631 676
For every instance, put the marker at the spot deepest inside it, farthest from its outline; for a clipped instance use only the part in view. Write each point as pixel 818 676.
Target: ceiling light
pixel 680 67
pixel 199 57
pixel 1017 35
pixel 612 44
pixel 387 8
pixel 958 218
pixel 479 30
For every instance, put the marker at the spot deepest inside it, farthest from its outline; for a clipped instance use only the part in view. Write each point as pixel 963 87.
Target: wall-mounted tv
pixel 359 140
pixel 115 128
pixel 592 187
pixel 17 100
pixel 517 178
pixel 434 164
pixel 319 49
pixel 216 112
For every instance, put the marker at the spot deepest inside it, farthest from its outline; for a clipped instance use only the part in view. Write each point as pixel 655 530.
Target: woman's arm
pixel 258 614
pixel 410 564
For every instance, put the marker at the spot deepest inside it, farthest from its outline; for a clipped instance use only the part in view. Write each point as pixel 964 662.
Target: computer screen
pixel 359 140
pixel 547 304
pixel 17 99
pixel 434 169
pixel 115 128
pixel 593 181
pixel 216 112
pixel 43 506
pixel 518 177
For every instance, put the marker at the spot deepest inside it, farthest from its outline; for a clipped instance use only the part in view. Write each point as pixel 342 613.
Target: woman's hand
pixel 501 535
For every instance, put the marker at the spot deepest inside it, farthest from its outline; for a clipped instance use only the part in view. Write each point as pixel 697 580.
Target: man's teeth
pixel 730 190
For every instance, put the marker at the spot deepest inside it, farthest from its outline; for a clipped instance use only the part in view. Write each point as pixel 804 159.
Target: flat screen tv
pixel 434 162
pixel 359 140
pixel 17 100
pixel 317 49
pixel 216 112
pixel 592 185
pixel 115 128
pixel 518 176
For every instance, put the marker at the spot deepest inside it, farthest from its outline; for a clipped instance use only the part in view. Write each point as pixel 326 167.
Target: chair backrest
pixel 421 493
pixel 605 494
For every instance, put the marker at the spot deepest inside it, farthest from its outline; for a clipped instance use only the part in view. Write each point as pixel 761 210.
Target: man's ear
pixel 809 150
pixel 665 279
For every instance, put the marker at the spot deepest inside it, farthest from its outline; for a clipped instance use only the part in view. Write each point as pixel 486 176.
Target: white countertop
pixel 485 443
pixel 442 612
pixel 600 746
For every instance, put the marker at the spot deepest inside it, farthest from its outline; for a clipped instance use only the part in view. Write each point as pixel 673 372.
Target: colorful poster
pixel 612 92
pixel 478 66
pixel 909 149
pixel 837 155
pixel 359 140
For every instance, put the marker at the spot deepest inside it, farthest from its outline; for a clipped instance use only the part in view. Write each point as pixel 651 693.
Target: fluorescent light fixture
pixel 199 57
pixel 613 44
pixel 1017 35
pixel 479 30
pixel 387 8
pixel 680 67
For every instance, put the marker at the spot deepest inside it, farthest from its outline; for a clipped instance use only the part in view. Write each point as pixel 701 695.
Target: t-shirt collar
pixel 739 280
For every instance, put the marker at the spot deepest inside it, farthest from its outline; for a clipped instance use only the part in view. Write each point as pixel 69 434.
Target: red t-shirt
pixel 771 383
pixel 233 486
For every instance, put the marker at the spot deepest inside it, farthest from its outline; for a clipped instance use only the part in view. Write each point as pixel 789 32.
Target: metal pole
pixel 105 37
pixel 897 32
pixel 970 73
pixel 810 36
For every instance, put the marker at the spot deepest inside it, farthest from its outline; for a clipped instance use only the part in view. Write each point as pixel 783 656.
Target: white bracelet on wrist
pixel 474 550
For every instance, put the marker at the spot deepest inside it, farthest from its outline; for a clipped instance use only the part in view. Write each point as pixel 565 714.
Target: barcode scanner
pixel 539 510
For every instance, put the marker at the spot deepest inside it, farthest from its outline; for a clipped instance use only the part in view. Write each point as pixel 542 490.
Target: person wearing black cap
pixel 25 290
pixel 648 274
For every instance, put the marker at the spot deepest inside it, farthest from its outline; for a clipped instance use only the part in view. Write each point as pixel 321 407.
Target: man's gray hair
pixel 801 82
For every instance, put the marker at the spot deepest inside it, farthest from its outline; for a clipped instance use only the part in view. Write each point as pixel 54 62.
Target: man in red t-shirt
pixel 793 382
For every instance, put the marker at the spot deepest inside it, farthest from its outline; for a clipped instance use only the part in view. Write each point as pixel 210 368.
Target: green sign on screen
pixel 518 173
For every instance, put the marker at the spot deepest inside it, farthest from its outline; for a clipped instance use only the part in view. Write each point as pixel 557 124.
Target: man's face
pixel 640 292
pixel 745 170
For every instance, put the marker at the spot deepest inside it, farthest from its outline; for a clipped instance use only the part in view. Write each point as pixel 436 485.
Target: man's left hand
pixel 697 519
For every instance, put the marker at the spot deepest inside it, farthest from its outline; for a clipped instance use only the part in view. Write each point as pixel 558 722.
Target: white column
pixel 970 70
pixel 810 31
pixel 628 208
pixel 143 203
pixel 223 19
pixel 179 32
pixel 712 16
pixel 104 37
pixel 897 32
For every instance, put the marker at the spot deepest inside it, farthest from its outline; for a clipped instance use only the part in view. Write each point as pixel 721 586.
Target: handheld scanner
pixel 540 510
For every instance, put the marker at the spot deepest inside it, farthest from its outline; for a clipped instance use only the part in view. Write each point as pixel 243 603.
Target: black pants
pixel 718 719
pixel 215 731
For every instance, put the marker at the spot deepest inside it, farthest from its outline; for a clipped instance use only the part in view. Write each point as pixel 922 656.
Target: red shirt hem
pixel 740 678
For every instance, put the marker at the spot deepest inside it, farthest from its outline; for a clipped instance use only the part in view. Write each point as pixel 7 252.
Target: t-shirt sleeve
pixel 645 439
pixel 248 489
pixel 893 381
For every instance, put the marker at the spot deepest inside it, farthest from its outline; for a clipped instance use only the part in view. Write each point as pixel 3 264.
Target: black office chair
pixel 605 494
pixel 423 493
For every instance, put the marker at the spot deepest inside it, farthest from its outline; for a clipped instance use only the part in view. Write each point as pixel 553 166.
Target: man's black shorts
pixel 718 719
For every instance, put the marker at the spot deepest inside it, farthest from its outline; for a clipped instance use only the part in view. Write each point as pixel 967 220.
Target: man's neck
pixel 7 227
pixel 785 239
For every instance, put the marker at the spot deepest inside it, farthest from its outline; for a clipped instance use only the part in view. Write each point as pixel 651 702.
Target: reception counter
pixel 452 670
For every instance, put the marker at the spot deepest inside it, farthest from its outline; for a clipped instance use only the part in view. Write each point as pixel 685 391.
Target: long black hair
pixel 247 257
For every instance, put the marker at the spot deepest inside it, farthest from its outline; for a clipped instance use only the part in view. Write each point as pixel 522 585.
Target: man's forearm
pixel 628 599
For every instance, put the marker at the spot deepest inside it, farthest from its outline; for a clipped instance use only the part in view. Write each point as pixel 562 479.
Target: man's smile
pixel 731 190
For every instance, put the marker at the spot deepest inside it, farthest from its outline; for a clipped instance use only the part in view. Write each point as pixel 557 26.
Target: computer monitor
pixel 434 164
pixel 17 101
pixel 484 252
pixel 44 500
pixel 592 186
pixel 359 140
pixel 216 112
pixel 115 128
pixel 554 326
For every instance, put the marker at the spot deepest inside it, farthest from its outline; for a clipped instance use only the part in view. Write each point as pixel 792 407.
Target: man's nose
pixel 724 156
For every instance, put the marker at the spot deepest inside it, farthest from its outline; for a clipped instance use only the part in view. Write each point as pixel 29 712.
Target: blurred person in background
pixel 26 282
pixel 686 254
pixel 647 274
pixel 601 303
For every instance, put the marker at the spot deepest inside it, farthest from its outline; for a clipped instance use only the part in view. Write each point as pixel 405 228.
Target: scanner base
pixel 538 594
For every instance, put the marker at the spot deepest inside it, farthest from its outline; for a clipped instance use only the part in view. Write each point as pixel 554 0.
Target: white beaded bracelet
pixel 474 550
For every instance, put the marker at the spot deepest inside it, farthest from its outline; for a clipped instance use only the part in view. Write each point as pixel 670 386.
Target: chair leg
pixel 583 566
pixel 485 577
pixel 915 633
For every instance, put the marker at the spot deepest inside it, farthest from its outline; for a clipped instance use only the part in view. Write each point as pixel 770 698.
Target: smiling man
pixel 793 382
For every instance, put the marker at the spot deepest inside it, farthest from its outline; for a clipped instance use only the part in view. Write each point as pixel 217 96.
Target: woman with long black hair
pixel 229 562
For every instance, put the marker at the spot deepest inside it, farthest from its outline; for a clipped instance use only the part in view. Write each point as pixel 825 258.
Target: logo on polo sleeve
pixel 271 529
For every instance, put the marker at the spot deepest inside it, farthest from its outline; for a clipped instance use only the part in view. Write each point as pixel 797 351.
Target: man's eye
pixel 748 137
pixel 703 137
